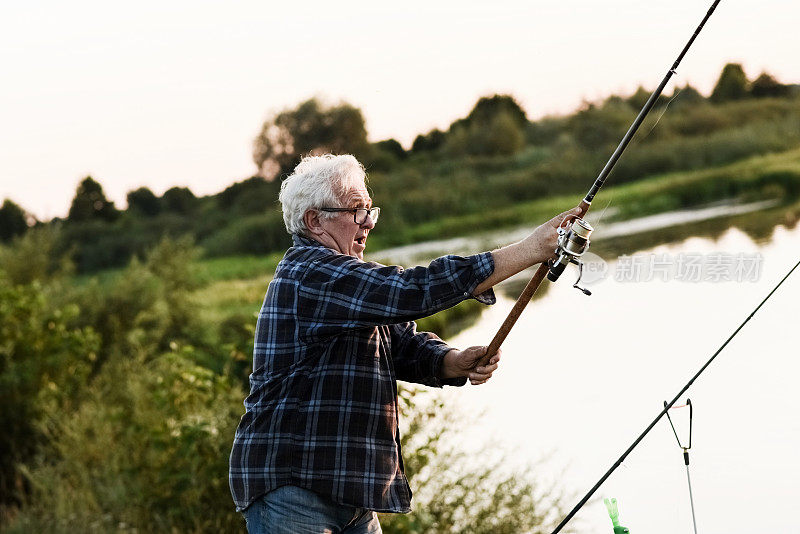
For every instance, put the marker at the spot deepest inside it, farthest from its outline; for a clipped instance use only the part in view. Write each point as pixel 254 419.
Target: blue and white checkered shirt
pixel 333 336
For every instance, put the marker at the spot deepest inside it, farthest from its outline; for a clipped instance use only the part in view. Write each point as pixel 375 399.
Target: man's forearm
pixel 512 259
pixel 536 248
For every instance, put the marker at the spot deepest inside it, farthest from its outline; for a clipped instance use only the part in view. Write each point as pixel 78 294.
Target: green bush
pixel 254 234
pixel 147 451
pixel 35 256
pixel 44 362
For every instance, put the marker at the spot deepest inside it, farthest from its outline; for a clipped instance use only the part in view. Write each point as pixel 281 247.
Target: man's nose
pixel 368 222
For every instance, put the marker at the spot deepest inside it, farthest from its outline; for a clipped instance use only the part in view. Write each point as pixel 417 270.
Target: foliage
pixel 392 146
pixel 179 200
pixel 254 234
pixel 146 451
pixel 129 402
pixel 638 99
pixel 91 203
pixel 601 127
pixel 149 306
pixel 495 126
pixel 488 108
pixel 429 142
pixel 35 257
pixel 13 221
pixel 774 176
pixel 43 364
pixel 143 201
pixel 501 135
pixel 731 85
pixel 767 86
pixel 489 160
pixel 384 155
pixel 309 128
pixel 237 267
pixel 453 492
pixel 686 96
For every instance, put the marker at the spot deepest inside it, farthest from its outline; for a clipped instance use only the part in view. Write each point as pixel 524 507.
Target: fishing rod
pixel 667 407
pixel 573 240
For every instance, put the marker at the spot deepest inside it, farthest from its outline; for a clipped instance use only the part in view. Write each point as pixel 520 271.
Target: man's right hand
pixel 538 247
pixel 545 238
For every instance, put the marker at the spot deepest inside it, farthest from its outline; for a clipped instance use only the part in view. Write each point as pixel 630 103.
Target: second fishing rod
pixel 667 407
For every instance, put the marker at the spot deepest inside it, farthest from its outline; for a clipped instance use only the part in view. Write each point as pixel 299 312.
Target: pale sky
pixel 170 93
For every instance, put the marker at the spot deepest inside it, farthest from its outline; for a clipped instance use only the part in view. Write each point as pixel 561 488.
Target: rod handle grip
pixel 516 311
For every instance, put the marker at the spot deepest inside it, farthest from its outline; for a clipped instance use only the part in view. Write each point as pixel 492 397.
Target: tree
pixel 13 221
pixel 501 136
pixel 495 126
pixel 429 142
pixel 91 203
pixel 504 136
pixel 488 108
pixel 310 128
pixel 144 201
pixel 179 200
pixel 767 86
pixel 687 95
pixel 241 192
pixel 638 99
pixel 731 85
pixel 392 146
pixel 599 128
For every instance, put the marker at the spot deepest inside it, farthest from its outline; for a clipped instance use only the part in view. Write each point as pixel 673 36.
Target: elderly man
pixel 318 449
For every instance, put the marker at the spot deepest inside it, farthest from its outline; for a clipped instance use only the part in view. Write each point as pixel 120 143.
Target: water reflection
pixel 758 226
pixel 582 376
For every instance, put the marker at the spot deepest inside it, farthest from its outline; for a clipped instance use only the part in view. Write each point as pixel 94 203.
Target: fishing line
pixel 667 406
pixel 599 219
pixel 653 127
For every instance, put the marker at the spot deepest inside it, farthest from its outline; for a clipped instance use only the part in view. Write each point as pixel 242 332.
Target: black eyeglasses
pixel 359 214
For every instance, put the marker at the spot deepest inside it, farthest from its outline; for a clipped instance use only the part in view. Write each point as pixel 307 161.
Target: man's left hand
pixel 466 362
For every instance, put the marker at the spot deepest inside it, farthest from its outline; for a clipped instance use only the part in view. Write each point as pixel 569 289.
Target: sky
pixel 168 93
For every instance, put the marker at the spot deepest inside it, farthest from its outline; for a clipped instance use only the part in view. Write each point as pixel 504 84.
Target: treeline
pixel 492 157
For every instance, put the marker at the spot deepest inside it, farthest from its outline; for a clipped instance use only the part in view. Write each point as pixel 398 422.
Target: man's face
pixel 341 231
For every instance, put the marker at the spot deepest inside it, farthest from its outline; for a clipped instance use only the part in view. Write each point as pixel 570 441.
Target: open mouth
pixel 361 240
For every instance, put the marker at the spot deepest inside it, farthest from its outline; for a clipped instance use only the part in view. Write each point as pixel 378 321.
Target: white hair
pixel 318 181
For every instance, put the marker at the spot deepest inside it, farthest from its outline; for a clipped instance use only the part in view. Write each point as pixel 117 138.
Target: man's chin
pixel 358 250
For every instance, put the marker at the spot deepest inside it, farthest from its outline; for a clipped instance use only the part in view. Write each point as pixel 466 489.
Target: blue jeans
pixel 294 510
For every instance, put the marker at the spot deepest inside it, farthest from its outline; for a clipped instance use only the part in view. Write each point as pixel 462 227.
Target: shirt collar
pixel 303 241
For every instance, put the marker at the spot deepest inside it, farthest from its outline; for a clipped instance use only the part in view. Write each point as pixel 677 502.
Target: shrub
pixel 146 452
pixel 43 364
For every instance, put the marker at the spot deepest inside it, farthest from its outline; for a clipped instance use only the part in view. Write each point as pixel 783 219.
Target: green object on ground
pixel 613 513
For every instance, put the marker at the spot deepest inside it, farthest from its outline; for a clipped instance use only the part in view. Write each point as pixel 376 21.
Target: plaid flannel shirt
pixel 333 336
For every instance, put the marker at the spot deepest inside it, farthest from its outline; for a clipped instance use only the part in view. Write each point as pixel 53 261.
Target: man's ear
pixel 311 219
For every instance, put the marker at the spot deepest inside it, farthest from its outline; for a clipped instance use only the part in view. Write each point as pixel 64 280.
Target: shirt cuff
pixel 484 266
pixel 438 361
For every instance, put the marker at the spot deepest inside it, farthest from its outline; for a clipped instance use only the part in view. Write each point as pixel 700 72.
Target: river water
pixel 582 376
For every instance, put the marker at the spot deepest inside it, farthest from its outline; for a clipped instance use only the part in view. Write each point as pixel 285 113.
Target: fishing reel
pixel 573 242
